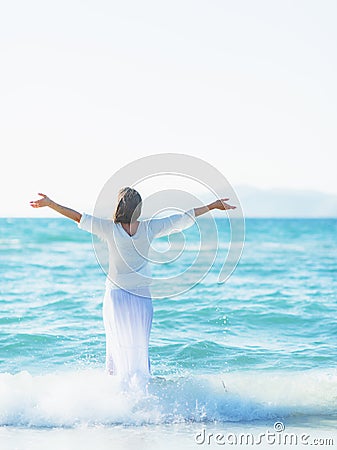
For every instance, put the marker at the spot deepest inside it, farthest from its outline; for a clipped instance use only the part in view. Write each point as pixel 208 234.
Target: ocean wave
pixel 90 397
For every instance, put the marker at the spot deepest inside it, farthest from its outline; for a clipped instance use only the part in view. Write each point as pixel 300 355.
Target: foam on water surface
pixel 91 397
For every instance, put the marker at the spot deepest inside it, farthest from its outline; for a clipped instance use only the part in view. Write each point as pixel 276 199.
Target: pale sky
pixel 89 86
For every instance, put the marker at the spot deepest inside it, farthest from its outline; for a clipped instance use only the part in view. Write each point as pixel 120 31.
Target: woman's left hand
pixel 44 201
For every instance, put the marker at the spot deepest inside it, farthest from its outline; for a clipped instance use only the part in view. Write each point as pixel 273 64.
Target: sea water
pixel 242 356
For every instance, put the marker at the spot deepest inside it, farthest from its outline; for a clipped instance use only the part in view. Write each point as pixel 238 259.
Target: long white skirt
pixel 127 321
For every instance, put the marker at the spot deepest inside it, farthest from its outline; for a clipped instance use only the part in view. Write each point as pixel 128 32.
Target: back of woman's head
pixel 128 207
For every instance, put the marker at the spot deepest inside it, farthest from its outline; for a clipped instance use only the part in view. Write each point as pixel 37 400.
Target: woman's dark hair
pixel 128 207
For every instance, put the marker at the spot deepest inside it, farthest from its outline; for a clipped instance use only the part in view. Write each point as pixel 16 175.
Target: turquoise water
pixel 261 346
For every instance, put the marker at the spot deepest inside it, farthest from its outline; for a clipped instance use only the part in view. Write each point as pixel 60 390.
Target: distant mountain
pixel 286 202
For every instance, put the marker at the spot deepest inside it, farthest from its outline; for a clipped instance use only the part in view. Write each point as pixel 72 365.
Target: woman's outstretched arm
pixel 46 201
pixel 218 204
pixel 178 222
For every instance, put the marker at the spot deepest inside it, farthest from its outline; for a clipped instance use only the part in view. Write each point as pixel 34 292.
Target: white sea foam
pixel 90 397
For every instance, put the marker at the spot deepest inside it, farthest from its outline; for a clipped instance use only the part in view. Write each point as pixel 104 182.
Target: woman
pixel 127 304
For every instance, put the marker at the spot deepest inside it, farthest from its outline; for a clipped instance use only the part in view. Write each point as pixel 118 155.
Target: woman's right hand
pixel 44 201
pixel 222 205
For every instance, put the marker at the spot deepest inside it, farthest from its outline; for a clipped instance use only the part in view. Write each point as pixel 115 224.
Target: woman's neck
pixel 131 228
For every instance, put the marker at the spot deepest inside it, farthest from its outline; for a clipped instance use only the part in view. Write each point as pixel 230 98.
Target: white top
pixel 128 255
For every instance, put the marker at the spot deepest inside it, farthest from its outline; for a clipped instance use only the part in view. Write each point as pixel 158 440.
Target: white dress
pixel 127 304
